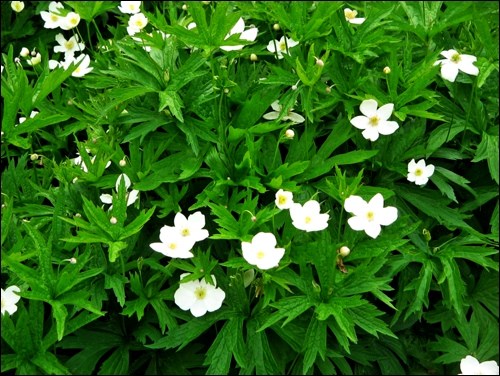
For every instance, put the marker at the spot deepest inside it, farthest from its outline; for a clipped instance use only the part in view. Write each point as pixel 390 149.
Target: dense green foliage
pixel 185 122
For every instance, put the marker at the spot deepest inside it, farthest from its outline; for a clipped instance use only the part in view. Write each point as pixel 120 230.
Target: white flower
pixel 79 161
pixel 173 244
pixel 350 16
pixel 418 172
pixel 71 20
pixel 191 228
pixel 24 52
pixel 375 121
pixel 308 217
pixel 22 119
pixel 136 23
pixel 53 17
pixel 290 134
pixel 455 62
pixel 292 116
pixel 69 47
pixel 17 6
pixel 284 199
pixel 132 196
pixel 130 7
pixel 53 64
pixel 83 62
pixel 35 60
pixel 198 296
pixel 262 251
pixel 471 366
pixel 9 299
pixel 369 216
pixel 280 46
pixel 239 28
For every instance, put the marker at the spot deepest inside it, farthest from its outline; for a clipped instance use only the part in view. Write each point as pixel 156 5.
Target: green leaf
pixel 49 363
pixel 60 314
pixel 114 250
pixel 219 355
pixel 117 363
pixel 289 307
pixel 117 283
pixel 173 101
pixel 488 149
pixel 314 343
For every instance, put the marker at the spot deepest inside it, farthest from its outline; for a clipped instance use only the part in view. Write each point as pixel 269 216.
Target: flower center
pixel 54 17
pixel 418 172
pixel 139 24
pixel 282 200
pixel 260 254
pixel 370 216
pixel 350 14
pixel 172 246
pixel 307 219
pixel 282 46
pixel 69 45
pixel 73 21
pixel 185 232
pixel 456 58
pixel 373 121
pixel 200 293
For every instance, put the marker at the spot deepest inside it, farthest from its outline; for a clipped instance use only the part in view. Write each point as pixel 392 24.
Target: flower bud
pixel 387 70
pixel 72 260
pixel 24 52
pixel 17 6
pixel 253 57
pixel 319 62
pixel 184 7
pixel 294 87
pixel 113 220
pixel 78 215
pixel 276 26
pixel 34 157
pixel 248 277
pixel 226 90
pixel 344 251
pixel 122 163
pixel 427 235
pixel 328 89
pixel 290 134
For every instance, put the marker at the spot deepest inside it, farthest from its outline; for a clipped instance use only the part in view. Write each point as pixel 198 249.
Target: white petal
pixel 273 115
pixel 214 299
pixel 106 198
pixel 264 240
pixel 412 165
pixel 449 54
pixel 184 296
pixel 296 118
pixel 357 223
pixel 250 34
pixel 429 170
pixel 159 247
pixel 449 71
pixel 385 111
pixel 180 221
pixel 196 220
pixel 291 43
pixel 369 107
pixel 373 229
pixel 60 39
pixel 276 106
pixel 387 216
pixel 370 133
pixel 238 27
pixel 488 368
pixel 411 177
pixel 199 308
pixel 312 207
pixel 357 21
pixel 421 180
pixel 387 127
pixel 360 122
pixel 356 205
pixel 132 197
pixel 469 365
pixel 271 47
pixel 469 68
pixel 377 202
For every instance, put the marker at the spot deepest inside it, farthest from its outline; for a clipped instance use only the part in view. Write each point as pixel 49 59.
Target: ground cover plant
pixel 249 187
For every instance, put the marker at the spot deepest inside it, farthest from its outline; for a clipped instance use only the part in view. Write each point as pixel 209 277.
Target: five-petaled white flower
pixel 284 199
pixel 17 6
pixel 350 16
pixel 262 251
pixel 173 244
pixel 308 217
pixel 83 62
pixel 281 46
pixel 132 196
pixel 69 47
pixel 191 228
pixel 369 216
pixel 455 62
pixel 9 299
pixel 136 23
pixel 199 296
pixel 471 366
pixel 375 121
pixel 130 7
pixel 53 17
pixel 239 28
pixel 418 172
pixel 292 116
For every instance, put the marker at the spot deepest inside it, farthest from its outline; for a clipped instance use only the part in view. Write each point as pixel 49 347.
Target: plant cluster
pixel 249 187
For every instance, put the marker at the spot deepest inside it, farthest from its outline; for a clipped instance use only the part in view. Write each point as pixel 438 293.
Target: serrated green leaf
pixel 290 307
pixel 314 344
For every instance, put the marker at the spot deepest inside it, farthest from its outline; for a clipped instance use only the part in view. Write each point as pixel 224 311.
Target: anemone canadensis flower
pixel 375 121
pixel 198 296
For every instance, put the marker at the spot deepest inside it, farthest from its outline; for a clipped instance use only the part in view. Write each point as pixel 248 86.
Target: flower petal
pixel 296 118
pixel 271 46
pixel 238 27
pixel 469 365
pixel 369 107
pixel 373 229
pixel 184 296
pixel 429 170
pixel 357 223
pixel 265 240
pixel 449 71
pixel 273 115
pixel 376 203
pixel 180 220
pixel 449 54
pixel 250 34
pixel 387 127
pixel 199 308
pixel 360 122
pixel 106 198
pixel 370 133
pixel 469 68
pixel 355 204
pixel 385 111
pixel 387 216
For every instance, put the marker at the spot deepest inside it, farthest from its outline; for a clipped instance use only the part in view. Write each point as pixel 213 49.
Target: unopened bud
pixel 294 87
pixel 184 7
pixel 24 52
pixel 319 62
pixel 122 163
pixel 289 134
pixel 427 235
pixel 33 53
pixel 253 57
pixel 226 90
pixel 113 220
pixel 328 89
pixel 344 251
pixel 78 215
pixel 34 157
pixel 72 260
pixel 205 2
pixel 387 70
pixel 17 60
pixel 276 26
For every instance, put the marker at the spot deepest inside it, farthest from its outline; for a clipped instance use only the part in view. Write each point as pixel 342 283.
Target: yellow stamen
pixel 373 121
pixel 260 255
pixel 185 232
pixel 200 293
pixel 370 216
pixel 418 172
pixel 172 246
pixel 456 58
pixel 307 219
pixel 350 14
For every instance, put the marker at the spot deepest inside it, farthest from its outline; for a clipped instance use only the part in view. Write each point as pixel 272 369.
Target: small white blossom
pixel 375 121
pixel 292 116
pixel 239 28
pixel 350 16
pixel 79 161
pixel 262 251
pixel 369 216
pixel 418 172
pixel 35 60
pixel 9 299
pixel 471 366
pixel 24 52
pixel 191 228
pixel 136 23
pixel 279 47
pixel 70 21
pixel 17 6
pixel 132 196
pixel 68 47
pixel 198 296
pixel 456 62
pixel 83 62
pixel 308 217
pixel 130 7
pixel 284 199
pixel 173 244
pixel 53 17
